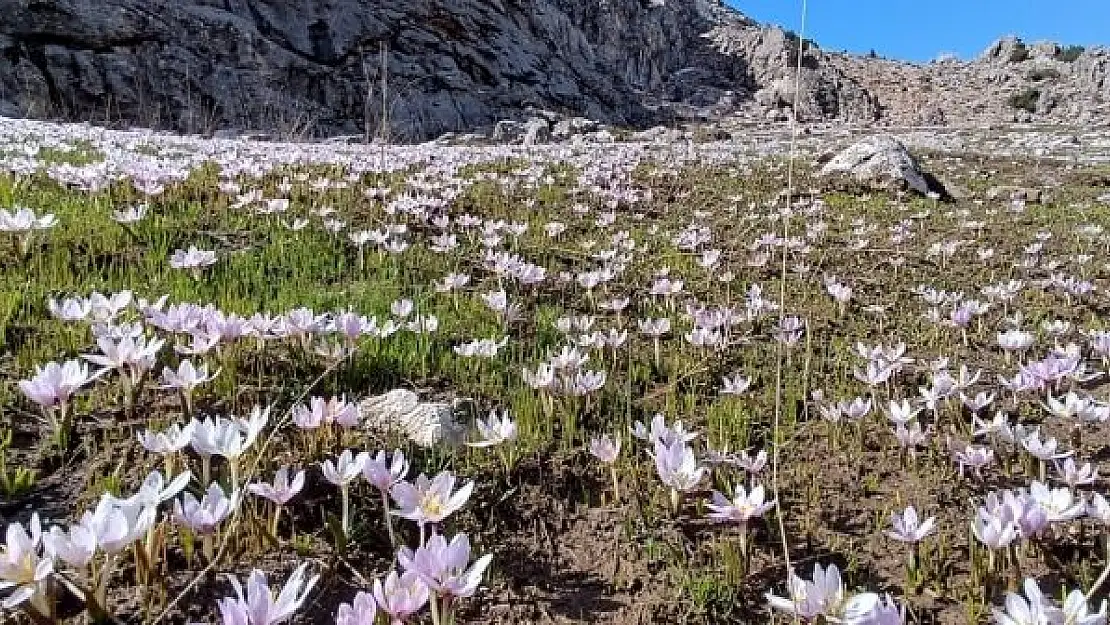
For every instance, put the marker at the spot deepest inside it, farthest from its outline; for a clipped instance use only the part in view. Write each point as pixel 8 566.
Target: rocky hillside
pixel 1011 81
pixel 317 67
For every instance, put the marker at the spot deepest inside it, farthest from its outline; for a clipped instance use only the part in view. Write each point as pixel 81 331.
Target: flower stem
pixel 274 521
pixel 233 466
pixel 433 602
pixel 346 511
pixel 208 547
pixel 388 520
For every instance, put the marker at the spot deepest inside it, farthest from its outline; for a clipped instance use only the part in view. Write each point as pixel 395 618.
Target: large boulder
pixel 507 131
pixel 881 162
pixel 536 131
pixel 567 128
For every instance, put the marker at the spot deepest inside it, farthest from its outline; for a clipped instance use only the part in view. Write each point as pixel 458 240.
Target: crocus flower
pixel 1032 609
pixel 205 515
pixel 320 411
pixel 385 475
pixel 104 308
pixel 24 219
pixel 752 464
pixel 677 465
pixel 345 469
pixel 282 490
pixel 741 508
pixel 1059 504
pixel 735 385
pixel 430 500
pixel 824 596
pixel 117 523
pixel 499 428
pixel 659 432
pixel 229 438
pixel 361 611
pixel 901 413
pixel 130 215
pixel 155 490
pixel 192 259
pixel 400 596
pixel 54 384
pixel 187 376
pixel 24 564
pixel 172 439
pixel 75 547
pixel 678 468
pixel 1076 610
pixel 70 309
pixel 907 527
pixel 134 356
pixel 442 566
pixel 259 606
pixel 605 448
pixel 995 528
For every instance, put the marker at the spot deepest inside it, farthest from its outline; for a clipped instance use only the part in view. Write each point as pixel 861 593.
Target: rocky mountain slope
pixel 317 67
pixel 1011 81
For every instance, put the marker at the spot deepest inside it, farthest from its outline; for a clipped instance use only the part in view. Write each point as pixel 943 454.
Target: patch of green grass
pixel 77 154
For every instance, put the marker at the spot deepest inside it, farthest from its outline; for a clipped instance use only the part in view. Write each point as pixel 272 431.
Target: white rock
pixel 424 423
pixel 879 160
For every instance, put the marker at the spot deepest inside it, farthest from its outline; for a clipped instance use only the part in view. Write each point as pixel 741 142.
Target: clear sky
pixel 921 30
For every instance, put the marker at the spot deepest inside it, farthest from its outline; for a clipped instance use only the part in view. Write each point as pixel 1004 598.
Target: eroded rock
pixel 880 162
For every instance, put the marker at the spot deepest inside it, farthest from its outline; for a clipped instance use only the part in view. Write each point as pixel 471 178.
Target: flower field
pixel 259 383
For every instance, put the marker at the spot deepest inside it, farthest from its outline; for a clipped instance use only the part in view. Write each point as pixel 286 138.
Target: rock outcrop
pixel 317 66
pixel 1011 81
pixel 416 69
pixel 880 162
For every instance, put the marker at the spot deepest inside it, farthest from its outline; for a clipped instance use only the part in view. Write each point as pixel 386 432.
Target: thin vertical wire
pixel 782 293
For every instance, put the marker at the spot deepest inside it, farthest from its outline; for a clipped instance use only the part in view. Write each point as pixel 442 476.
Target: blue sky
pixel 921 30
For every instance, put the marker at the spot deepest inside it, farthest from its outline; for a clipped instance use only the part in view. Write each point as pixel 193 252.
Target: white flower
pixel 205 515
pixel 24 564
pixel 677 466
pixel 172 439
pixel 282 490
pixel 259 606
pixel 193 258
pixel 346 468
pixel 498 429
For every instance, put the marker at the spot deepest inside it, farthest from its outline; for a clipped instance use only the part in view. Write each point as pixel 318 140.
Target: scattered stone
pixel 658 134
pixel 1008 192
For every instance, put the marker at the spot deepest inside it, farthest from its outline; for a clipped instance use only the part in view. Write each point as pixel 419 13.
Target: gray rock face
pixel 311 67
pixel 881 162
pixel 1010 81
pixel 772 58
pixel 408 70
